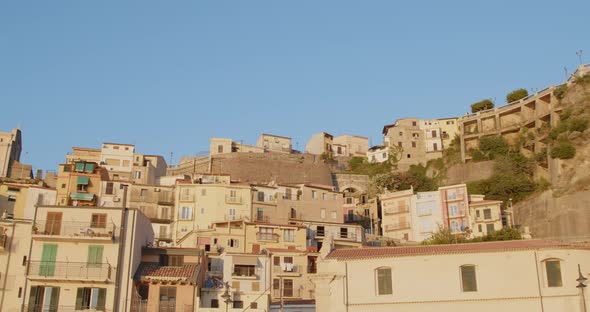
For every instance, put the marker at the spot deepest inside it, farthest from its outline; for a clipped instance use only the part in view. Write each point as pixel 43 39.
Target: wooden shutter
pixel 79 298
pixel 53 223
pixel 384 281
pixel 99 220
pixel 468 278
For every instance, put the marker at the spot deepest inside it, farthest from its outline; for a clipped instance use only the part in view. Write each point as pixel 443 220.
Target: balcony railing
pixel 262 219
pixel 397 226
pixel 233 199
pixel 60 308
pixel 164 236
pixel 154 215
pixel 287 268
pixel 79 271
pixel 287 293
pixel 231 217
pixel 165 198
pixel 269 237
pixel 186 198
pixel 286 196
pixel 248 271
pixel 396 210
pixel 75 229
pixel 347 235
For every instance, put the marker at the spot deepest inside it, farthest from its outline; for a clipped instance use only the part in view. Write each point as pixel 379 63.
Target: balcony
pixel 233 199
pixel 158 217
pixel 396 210
pixel 267 237
pixel 233 217
pixel 74 230
pixel 166 198
pixel 59 308
pixel 244 271
pixel 70 271
pixel 137 196
pixel 262 219
pixel 186 198
pixel 347 236
pixel 287 293
pixel 397 226
pixel 164 237
pixel 286 196
pixel 287 268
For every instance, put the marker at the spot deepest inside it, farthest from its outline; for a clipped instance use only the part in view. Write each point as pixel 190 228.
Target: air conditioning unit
pixel 117 199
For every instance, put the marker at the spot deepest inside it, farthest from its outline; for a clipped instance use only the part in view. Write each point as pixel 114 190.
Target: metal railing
pixel 287 268
pixel 186 197
pixel 287 293
pixel 71 270
pixel 271 237
pixel 286 196
pixel 165 198
pixel 229 217
pixel 164 236
pixel 233 199
pixel 262 219
pixel 397 226
pixel 60 308
pixel 154 214
pixel 75 229
pixel 244 271
pixel 161 306
pixel 396 210
pixel 347 235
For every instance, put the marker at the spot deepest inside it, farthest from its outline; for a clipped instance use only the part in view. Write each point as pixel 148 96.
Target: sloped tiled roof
pixel 392 252
pixel 155 272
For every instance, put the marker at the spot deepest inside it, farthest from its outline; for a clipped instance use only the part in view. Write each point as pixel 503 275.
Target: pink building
pixel 455 208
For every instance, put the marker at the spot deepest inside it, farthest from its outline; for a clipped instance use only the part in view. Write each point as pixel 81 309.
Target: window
pixel 435 147
pixel 109 190
pixel 233 242
pixel 287 287
pixel 99 220
pixel 413 144
pixel 202 211
pixel 323 213
pixel 399 144
pixel 477 213
pixel 63 186
pixel 324 196
pixel 138 174
pixel 383 156
pixel 214 303
pixel 174 261
pixel 413 123
pixel 289 235
pixel 348 200
pixel 314 195
pixel 320 231
pixel 186 213
pixel 401 133
pixel 468 280
pixel 487 214
pixel 204 192
pixel 91 298
pixel 333 214
pixel 434 133
pixel 94 255
pixel 238 304
pixel 167 298
pixel 384 283
pixel 220 148
pixel 553 270
pixel 11 198
pixel 260 196
pixel 254 305
pixel 490 228
pixel 343 232
pixel 409 156
pixel 244 270
pixel 453 210
pixel 479 228
pixel 126 163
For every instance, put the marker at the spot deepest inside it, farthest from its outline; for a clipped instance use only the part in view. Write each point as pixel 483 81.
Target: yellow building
pixel 19 199
pixel 396 214
pixel 79 183
pixel 320 143
pixel 84 258
pixel 198 206
pixel 15 238
pixel 10 149
pixel 350 145
pixel 486 215
pixel 274 143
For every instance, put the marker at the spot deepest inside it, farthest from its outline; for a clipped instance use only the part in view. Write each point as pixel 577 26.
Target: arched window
pixel 384 281
pixel 468 278
pixel 553 272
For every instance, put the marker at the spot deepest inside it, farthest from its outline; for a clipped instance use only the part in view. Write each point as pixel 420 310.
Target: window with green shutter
pixel 553 269
pixel 468 279
pixel 94 255
pixel 79 167
pixel 384 283
pixel 48 255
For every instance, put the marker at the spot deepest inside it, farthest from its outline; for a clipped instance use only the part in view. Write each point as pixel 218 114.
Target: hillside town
pixel 265 227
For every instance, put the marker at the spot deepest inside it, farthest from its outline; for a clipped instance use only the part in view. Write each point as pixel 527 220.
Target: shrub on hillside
pixel 481 105
pixel 516 95
pixel 563 150
pixel 560 91
pixel 493 146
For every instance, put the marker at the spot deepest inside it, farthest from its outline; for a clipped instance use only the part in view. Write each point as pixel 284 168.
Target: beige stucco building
pixel 15 238
pixel 350 145
pixel 410 143
pixel 449 129
pixel 486 215
pixel 157 204
pixel 225 146
pixel 526 275
pixel 10 150
pixel 378 154
pixel 84 258
pixel 396 217
pixel 80 183
pixel 320 143
pixel 19 199
pixel 274 143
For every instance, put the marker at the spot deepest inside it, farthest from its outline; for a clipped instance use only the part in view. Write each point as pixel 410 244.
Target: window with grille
pixel 384 282
pixel 553 270
pixel 468 279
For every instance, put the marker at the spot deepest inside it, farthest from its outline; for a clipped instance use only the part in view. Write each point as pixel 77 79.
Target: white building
pixel 378 154
pixel 426 215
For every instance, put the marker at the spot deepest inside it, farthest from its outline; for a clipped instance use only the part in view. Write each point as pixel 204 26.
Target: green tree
pixel 563 150
pixel 493 146
pixel 516 95
pixel 482 105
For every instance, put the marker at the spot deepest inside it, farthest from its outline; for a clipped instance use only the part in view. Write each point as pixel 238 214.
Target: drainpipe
pixel 346 285
pixel 121 256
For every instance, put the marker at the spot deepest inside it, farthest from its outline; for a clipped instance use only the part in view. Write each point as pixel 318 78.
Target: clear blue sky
pixel 168 75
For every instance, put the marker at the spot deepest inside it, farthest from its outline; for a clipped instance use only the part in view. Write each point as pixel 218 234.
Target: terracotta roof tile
pixel 392 252
pixel 153 271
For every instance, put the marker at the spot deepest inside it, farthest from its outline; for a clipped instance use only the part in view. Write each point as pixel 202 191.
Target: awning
pixel 82 196
pixel 245 260
pixel 83 180
pixel 79 166
pixel 89 168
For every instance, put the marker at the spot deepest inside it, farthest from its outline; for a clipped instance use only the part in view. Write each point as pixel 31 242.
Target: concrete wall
pixel 566 217
pixel 462 173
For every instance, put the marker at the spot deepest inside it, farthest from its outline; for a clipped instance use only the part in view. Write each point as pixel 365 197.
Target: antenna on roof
pixel 579 54
pixel 171 155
